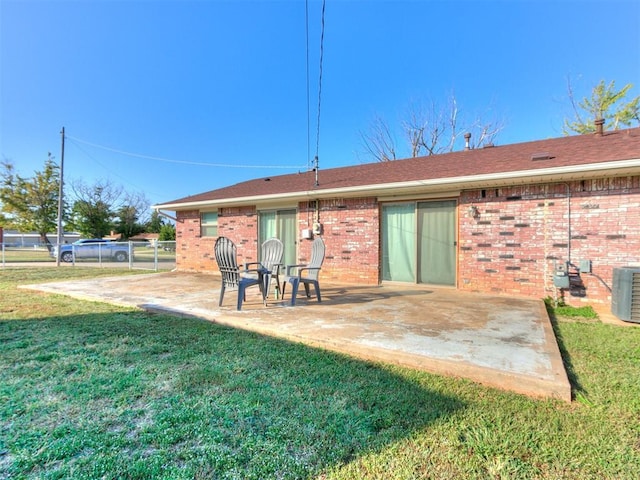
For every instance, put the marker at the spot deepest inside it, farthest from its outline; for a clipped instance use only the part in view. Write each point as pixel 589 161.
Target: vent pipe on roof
pixel 467 137
pixel 599 123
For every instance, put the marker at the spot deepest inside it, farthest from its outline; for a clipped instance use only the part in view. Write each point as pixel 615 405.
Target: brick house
pixel 499 219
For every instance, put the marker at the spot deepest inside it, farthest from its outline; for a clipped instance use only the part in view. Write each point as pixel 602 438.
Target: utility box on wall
pixel 625 294
pixel 561 275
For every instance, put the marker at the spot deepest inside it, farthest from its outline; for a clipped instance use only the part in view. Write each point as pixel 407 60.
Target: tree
pixel 31 204
pixel 127 224
pixel 130 215
pixel 155 222
pixel 167 233
pixel 605 103
pixel 379 141
pixel 429 129
pixel 92 214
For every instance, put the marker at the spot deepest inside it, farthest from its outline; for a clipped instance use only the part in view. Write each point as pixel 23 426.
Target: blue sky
pixel 173 98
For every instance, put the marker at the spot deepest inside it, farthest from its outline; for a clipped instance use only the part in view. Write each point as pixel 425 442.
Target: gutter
pixel 540 175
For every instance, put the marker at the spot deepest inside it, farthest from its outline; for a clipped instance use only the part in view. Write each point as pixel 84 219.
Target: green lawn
pixel 90 390
pixel 143 256
pixel 26 255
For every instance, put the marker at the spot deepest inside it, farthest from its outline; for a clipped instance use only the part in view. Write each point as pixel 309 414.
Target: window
pixel 209 224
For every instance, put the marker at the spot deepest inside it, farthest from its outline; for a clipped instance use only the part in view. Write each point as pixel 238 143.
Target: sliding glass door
pixel 419 242
pixel 437 242
pixel 399 242
pixel 280 224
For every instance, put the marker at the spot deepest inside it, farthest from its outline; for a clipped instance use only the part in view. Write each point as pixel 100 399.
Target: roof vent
pixel 467 138
pixel 541 156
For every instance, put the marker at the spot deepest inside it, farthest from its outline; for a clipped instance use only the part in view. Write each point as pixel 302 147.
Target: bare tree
pixel 378 141
pixel 429 129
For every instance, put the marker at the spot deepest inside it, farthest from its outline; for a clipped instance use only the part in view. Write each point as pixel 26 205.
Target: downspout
pixel 159 212
pixel 568 221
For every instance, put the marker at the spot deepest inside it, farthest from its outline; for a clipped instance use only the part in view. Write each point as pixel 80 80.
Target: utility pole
pixel 60 201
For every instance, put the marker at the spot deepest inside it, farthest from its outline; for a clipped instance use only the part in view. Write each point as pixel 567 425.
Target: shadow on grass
pixel 576 386
pixel 149 396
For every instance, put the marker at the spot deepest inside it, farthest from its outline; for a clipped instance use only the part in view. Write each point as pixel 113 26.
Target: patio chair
pixel 306 274
pixel 270 263
pixel 225 252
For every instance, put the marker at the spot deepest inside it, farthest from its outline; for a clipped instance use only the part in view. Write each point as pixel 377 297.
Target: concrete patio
pixel 498 341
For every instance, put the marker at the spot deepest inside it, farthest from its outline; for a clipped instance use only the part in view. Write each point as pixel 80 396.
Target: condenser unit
pixel 625 294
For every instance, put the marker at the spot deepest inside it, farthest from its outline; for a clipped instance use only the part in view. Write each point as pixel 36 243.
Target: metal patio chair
pixel 306 274
pixel 270 262
pixel 226 257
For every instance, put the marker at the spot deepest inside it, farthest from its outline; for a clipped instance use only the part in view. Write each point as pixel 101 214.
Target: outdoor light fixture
pixel 473 211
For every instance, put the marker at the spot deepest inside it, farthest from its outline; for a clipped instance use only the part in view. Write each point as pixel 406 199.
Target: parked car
pixel 93 248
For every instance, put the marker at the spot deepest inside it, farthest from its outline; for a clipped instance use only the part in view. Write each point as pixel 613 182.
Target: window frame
pixel 207 225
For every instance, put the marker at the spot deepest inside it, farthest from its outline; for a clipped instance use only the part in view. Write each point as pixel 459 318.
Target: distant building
pixel 13 238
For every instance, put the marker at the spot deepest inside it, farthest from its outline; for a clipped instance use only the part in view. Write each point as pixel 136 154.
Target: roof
pixel 558 159
pixel 112 236
pixel 145 236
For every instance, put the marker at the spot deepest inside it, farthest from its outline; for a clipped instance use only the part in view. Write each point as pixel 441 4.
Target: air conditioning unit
pixel 625 294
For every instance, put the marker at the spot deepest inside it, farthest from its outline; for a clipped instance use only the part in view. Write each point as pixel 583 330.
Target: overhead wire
pixel 306 12
pixel 320 79
pixel 315 160
pixel 183 162
pixel 110 170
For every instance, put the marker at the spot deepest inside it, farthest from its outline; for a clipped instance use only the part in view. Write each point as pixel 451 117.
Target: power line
pixel 111 171
pixel 308 92
pixel 320 81
pixel 183 162
pixel 315 160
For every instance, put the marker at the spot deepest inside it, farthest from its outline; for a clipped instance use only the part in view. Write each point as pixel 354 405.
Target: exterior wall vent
pixel 625 294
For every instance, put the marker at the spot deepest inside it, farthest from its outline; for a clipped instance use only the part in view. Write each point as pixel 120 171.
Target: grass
pixel 90 390
pixel 26 255
pixel 560 309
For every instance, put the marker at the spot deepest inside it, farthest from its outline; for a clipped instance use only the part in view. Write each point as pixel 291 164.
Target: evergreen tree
pixel 605 103
pixel 31 204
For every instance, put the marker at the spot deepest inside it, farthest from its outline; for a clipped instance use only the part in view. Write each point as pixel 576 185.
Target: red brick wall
pixel 511 247
pixel 350 233
pixel 521 233
pixel 195 253
pixel 240 225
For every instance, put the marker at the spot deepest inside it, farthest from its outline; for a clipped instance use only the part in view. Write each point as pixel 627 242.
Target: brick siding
pixel 511 247
pixel 521 233
pixel 350 233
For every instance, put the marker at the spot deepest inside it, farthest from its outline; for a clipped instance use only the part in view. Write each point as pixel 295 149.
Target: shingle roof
pixel 579 150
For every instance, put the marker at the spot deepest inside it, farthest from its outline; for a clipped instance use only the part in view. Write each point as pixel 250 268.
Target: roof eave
pixel 540 175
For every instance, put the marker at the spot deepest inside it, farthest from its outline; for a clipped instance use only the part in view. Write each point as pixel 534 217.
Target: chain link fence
pixel 153 256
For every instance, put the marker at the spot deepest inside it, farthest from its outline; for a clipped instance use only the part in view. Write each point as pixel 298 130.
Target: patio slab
pixel 499 341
